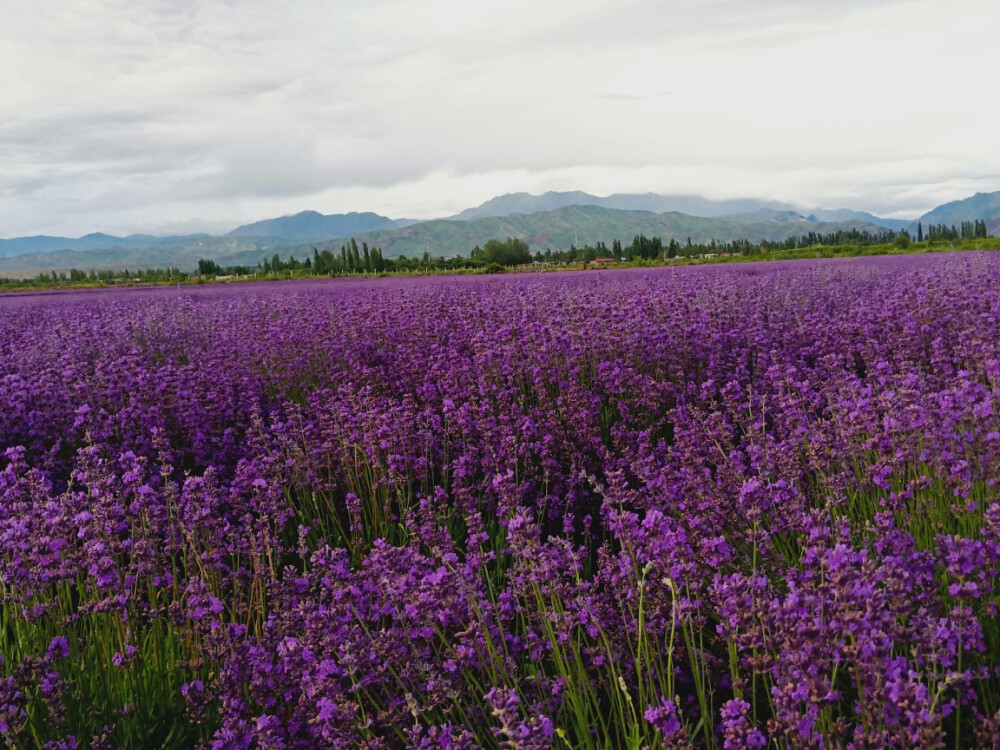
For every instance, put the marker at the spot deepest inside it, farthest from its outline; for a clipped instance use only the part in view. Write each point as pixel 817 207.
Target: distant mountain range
pixel 95 241
pixel 307 226
pixel 553 219
pixel 525 203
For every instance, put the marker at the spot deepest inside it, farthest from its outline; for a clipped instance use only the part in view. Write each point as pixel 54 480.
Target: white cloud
pixel 131 116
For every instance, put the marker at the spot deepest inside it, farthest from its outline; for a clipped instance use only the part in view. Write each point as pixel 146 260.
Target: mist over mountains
pixel 312 226
pixel 526 203
pixel 693 205
pixel 307 226
pixel 984 206
pixel 550 220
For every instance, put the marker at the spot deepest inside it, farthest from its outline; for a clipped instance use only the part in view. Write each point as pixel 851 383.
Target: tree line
pixel 103 276
pixel 969 230
pixel 355 259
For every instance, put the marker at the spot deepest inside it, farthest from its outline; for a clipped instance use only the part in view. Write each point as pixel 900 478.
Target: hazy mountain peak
pixel 312 226
pixel 770 214
pixel 984 206
pixel 693 205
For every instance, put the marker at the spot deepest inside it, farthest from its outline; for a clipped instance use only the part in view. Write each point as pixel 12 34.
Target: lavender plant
pixel 713 507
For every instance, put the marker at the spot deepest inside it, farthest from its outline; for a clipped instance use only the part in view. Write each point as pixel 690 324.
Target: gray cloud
pixel 130 115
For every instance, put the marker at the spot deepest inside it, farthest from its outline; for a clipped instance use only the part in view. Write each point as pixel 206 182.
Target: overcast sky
pixel 164 116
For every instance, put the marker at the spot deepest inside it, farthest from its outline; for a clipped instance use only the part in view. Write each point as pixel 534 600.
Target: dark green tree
pixel 511 252
pixel 210 267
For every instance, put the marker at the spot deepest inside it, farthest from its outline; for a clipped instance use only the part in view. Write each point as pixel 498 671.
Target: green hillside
pixel 580 225
pixel 984 206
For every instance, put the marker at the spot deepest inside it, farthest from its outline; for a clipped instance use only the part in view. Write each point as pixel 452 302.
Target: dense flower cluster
pixel 717 507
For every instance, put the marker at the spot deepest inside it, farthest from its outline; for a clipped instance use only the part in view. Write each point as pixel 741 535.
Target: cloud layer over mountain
pixel 196 115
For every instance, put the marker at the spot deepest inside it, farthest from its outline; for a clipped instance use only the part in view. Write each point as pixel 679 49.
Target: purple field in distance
pixel 735 506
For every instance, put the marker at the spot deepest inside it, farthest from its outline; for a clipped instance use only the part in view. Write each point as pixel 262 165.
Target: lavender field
pixel 715 507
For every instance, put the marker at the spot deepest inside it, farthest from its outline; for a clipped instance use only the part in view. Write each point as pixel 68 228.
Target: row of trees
pixel 654 248
pixel 852 236
pixel 350 260
pixel 93 276
pixel 969 230
pixel 642 247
